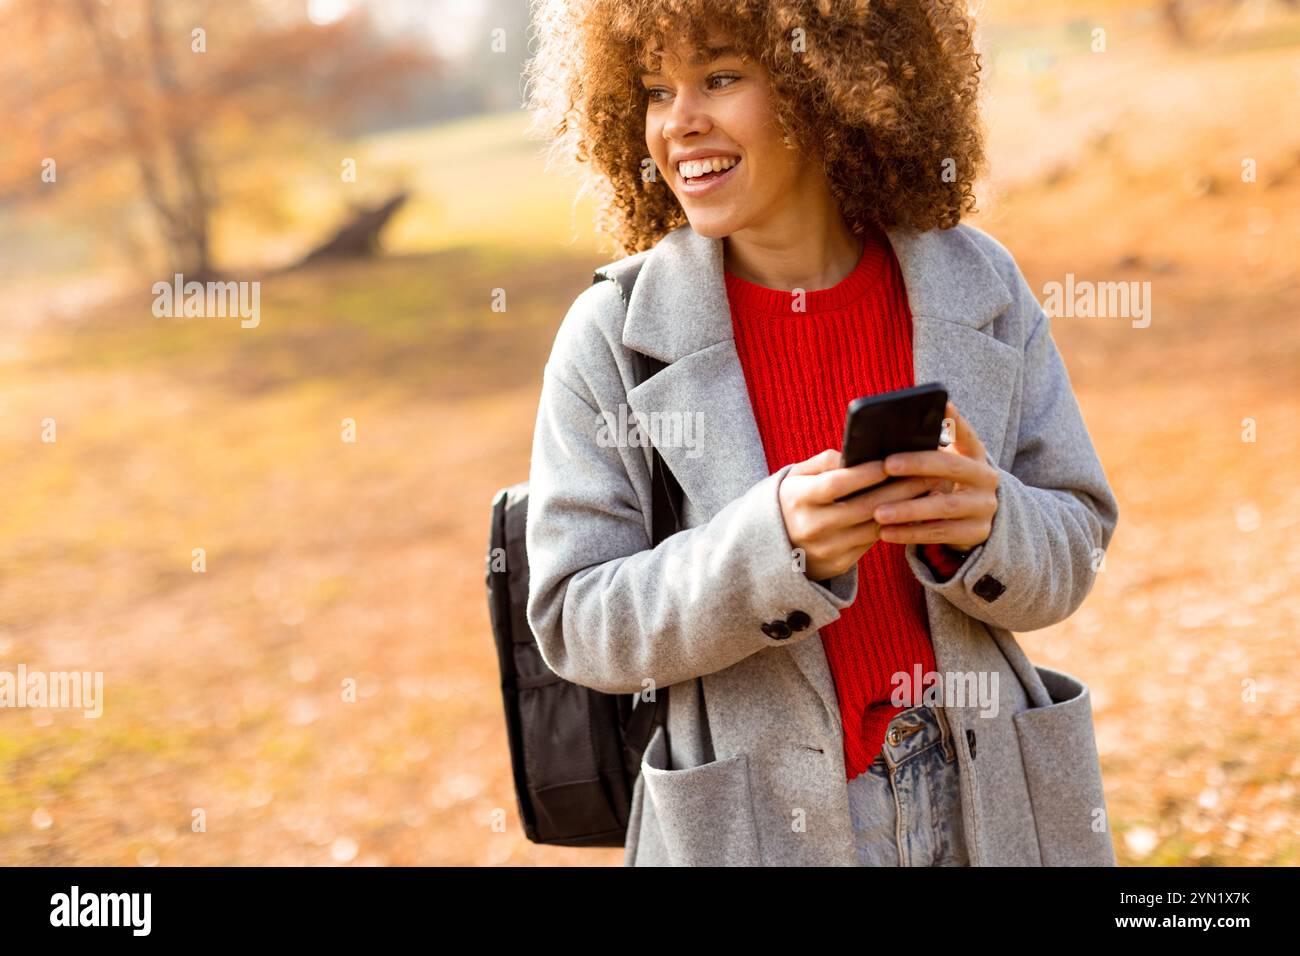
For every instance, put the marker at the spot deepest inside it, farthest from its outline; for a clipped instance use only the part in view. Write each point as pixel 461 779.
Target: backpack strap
pixel 639 721
pixel 666 492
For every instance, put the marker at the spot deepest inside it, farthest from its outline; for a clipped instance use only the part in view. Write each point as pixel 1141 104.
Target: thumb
pixel 822 461
pixel 965 442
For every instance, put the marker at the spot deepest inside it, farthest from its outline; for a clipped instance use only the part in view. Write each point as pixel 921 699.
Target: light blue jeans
pixel 906 807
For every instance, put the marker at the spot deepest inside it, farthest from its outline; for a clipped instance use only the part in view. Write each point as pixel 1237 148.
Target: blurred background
pixel 365 162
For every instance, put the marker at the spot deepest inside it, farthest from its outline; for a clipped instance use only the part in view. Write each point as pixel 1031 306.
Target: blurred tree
pixel 178 88
pixel 359 236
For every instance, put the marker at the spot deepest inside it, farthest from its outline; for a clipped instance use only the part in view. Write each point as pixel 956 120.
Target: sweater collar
pixel 679 304
pixel 747 296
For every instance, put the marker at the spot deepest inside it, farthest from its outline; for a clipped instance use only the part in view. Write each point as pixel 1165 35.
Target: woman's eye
pixel 712 83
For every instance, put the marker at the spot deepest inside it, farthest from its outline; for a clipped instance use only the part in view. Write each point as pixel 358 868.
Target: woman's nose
pixel 687 115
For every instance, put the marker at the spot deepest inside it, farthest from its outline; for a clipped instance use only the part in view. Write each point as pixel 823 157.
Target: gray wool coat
pixel 750 770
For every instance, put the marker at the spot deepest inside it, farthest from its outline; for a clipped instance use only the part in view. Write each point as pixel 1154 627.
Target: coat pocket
pixel 1059 752
pixel 705 814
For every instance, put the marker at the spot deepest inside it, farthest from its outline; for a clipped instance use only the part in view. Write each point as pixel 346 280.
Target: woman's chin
pixel 710 224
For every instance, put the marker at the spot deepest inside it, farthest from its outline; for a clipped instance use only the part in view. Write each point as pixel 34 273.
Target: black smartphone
pixel 908 419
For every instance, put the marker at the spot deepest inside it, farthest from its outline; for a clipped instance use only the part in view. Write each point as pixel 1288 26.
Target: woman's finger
pixel 959 534
pixel 941 507
pixel 938 464
pixel 859 507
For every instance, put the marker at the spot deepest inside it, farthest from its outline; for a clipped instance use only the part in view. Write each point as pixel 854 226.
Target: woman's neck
pixel 796 258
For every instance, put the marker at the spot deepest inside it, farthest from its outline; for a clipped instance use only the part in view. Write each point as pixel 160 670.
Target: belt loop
pixel 945 731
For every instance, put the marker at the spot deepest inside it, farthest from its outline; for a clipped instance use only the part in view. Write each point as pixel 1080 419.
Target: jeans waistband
pixel 911 733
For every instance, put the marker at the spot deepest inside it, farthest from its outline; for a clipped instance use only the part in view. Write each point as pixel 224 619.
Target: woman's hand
pixel 959 513
pixel 834 534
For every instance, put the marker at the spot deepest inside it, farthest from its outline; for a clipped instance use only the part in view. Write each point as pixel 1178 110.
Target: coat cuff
pixel 795 606
pixel 942 560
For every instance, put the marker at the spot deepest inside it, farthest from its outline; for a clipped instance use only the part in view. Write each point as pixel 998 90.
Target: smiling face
pixel 716 114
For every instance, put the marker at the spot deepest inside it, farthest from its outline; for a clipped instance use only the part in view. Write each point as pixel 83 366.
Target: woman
pixel 790 178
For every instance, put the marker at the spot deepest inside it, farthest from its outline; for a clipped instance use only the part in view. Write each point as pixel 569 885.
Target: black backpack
pixel 575 752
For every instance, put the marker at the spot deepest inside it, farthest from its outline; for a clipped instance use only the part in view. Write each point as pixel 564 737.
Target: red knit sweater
pixel 803 367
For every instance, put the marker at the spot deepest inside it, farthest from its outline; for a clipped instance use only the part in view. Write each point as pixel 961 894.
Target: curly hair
pixel 883 92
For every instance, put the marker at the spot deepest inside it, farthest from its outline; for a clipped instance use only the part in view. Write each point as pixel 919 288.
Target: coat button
pixel 777 630
pixel 798 620
pixel 970 742
pixel 989 587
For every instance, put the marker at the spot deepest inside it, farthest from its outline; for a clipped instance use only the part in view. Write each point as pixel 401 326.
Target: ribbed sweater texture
pixel 806 356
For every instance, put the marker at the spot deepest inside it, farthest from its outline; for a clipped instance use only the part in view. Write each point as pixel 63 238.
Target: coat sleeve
pixel 608 611
pixel 1056 512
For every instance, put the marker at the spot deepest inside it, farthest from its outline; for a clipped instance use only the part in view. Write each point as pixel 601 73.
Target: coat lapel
pixel 679 313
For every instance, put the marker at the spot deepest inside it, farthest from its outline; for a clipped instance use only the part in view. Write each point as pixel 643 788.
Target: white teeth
pixel 698 167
